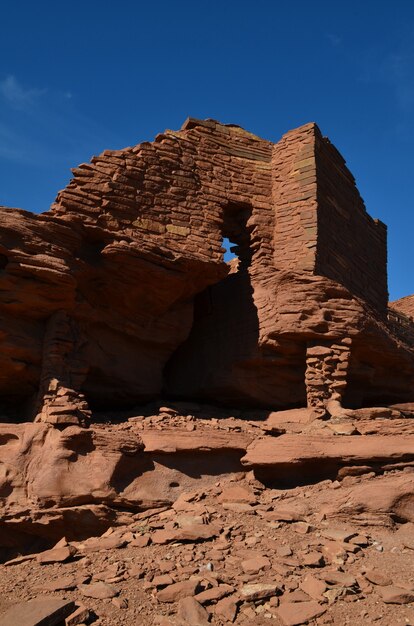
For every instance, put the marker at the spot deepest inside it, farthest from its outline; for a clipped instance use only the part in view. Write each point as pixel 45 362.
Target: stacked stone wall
pixel 136 237
pixel 170 195
pixel 294 200
pixel 352 246
pixel 326 372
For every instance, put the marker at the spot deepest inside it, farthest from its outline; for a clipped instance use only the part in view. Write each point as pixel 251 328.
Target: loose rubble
pixel 286 560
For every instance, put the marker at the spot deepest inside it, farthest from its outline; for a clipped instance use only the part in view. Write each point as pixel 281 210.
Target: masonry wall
pixel 352 246
pixel 294 200
pixel 168 195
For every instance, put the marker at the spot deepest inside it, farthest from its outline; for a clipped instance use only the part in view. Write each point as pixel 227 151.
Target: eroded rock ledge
pixel 77 482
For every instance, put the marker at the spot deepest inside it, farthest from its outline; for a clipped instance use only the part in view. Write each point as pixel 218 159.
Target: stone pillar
pixel 59 400
pixel 326 375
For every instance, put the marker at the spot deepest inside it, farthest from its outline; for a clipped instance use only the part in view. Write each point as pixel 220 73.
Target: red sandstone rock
pixel 80 616
pixel 338 578
pixel 226 609
pixel 300 449
pixel 295 613
pixel 378 577
pixel 195 532
pixel 214 593
pixel 121 291
pixel 122 226
pixel 103 543
pixel 314 587
pixel 57 555
pixel 253 566
pixel 38 612
pixel 98 590
pixel 168 441
pixel 404 305
pixel 177 591
pixel 258 591
pixel 396 595
pixel 237 494
pixel 60 584
pixel 192 613
pixel 392 495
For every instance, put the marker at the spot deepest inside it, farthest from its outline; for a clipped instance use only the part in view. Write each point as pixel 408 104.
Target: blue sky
pixel 79 77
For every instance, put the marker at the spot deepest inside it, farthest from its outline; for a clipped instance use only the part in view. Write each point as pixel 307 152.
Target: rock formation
pixel 119 297
pixel 120 293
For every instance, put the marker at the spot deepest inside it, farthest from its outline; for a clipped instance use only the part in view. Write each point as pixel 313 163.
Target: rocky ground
pixel 236 551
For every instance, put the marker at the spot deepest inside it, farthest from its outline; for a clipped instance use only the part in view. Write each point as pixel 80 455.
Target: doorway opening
pixel 218 360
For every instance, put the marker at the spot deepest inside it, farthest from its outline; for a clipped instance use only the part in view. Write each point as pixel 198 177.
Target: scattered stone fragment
pixel 284 551
pixel 162 581
pixel 342 428
pixel 333 594
pixel 238 507
pixel 163 620
pixel 104 543
pixel 364 585
pixel 253 566
pixel 296 613
pixel 250 613
pixel 179 590
pixel 60 584
pixel 294 596
pixel 314 587
pixel 196 532
pixel 226 609
pixel 237 493
pixel 334 552
pixel 56 555
pixel 359 540
pixel 214 593
pixel 42 611
pixel 141 542
pixel 378 578
pixel 283 514
pixel 396 595
pixel 99 590
pixel 338 578
pixel 312 559
pixel 258 591
pixel 192 613
pixel 20 559
pixel 120 603
pixel 336 534
pixel 301 527
pixel 80 616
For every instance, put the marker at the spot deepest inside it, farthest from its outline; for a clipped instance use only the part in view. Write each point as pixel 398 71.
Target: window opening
pixel 230 249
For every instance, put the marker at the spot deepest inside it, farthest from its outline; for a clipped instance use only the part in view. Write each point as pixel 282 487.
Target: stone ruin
pixel 118 296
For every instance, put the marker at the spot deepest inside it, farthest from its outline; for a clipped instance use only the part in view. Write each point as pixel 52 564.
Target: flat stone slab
pixel 296 613
pixel 352 449
pixel 42 611
pixel 172 440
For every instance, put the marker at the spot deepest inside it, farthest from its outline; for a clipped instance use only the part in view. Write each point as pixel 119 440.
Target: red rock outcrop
pixel 404 305
pixel 119 296
pixel 120 292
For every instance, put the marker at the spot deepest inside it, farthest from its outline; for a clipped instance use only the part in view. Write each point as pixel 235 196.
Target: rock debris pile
pixel 235 552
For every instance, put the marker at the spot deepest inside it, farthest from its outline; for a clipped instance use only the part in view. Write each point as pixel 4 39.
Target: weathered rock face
pixel 120 292
pixel 119 295
pixel 405 306
pixel 76 482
